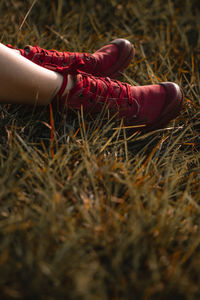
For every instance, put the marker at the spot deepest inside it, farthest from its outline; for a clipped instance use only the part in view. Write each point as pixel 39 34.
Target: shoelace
pixel 124 89
pixel 54 54
pixel 100 83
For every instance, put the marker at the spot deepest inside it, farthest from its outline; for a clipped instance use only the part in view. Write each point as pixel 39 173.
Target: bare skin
pixel 23 82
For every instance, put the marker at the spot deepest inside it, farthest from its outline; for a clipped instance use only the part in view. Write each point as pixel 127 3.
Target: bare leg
pixel 16 51
pixel 23 82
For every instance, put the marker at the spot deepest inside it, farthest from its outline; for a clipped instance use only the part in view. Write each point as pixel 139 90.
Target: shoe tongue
pixel 81 82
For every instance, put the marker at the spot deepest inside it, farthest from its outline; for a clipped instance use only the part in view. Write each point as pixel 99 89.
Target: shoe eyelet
pixel 80 95
pixel 64 64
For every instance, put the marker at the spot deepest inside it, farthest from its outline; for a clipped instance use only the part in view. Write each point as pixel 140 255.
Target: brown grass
pixel 94 211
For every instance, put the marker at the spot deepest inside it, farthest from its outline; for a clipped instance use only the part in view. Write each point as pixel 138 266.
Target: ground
pixel 88 209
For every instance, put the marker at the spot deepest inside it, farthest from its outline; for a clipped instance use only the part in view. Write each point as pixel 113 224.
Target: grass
pixel 89 210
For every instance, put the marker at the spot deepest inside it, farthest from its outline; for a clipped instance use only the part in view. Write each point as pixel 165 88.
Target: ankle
pixel 70 84
pixel 65 86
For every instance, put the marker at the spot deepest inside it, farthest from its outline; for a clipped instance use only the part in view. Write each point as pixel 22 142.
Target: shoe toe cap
pixel 126 53
pixel 122 44
pixel 126 49
pixel 172 107
pixel 173 101
pixel 173 91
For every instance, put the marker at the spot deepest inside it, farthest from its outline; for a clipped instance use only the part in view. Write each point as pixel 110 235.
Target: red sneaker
pixel 152 106
pixel 107 61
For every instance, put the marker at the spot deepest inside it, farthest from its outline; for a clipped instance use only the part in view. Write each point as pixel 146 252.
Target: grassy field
pixel 89 210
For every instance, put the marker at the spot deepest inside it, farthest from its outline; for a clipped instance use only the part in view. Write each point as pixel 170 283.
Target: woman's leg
pixel 23 82
pixel 109 61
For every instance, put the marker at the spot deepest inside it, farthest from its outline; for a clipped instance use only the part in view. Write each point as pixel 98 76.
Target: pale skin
pixel 24 82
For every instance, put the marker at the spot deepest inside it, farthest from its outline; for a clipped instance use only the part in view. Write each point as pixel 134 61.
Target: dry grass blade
pixel 93 209
pixel 27 14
